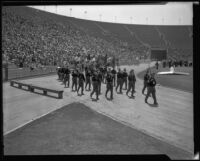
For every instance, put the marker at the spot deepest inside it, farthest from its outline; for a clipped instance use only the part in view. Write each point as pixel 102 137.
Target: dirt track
pixel 172 121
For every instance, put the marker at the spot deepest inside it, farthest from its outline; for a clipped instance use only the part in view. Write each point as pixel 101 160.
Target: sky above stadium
pixel 173 13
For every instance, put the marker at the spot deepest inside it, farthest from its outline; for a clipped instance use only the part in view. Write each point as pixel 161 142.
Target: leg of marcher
pixel 148 93
pixel 154 97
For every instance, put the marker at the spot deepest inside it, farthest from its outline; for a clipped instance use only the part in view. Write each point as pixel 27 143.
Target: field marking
pixel 109 116
pixel 140 130
pixel 37 117
pixel 123 122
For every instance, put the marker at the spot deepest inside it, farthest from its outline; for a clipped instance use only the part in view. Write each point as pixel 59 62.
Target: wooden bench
pixel 45 90
pixel 32 87
pixel 20 84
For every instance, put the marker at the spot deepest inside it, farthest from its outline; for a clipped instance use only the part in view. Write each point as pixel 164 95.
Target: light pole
pixel 100 17
pixel 56 9
pixel 179 21
pixel 70 11
pixel 163 21
pixel 85 14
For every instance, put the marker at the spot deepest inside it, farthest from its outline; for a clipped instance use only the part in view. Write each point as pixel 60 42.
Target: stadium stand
pixel 36 39
pixel 148 35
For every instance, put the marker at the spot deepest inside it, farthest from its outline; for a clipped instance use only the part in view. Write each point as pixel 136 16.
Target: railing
pixel 16 73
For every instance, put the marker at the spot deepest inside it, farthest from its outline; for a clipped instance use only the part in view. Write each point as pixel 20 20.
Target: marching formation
pixel 91 79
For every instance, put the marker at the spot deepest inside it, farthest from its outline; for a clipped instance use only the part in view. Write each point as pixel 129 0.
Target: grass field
pixel 180 82
pixel 76 129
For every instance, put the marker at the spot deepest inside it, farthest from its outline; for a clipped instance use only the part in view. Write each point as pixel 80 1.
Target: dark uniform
pixel 66 76
pixel 95 86
pixel 74 80
pixel 104 74
pixel 61 74
pixel 109 85
pixel 81 80
pixel 119 81
pixel 146 78
pixel 157 65
pixel 151 90
pixel 58 72
pixel 88 80
pixel 113 71
pixel 186 63
pixel 170 63
pixel 125 80
pixel 181 63
pixel 99 80
pixel 164 64
pixel 131 84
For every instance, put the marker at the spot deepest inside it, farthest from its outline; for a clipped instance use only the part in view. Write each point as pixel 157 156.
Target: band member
pixel 131 83
pixel 157 65
pixel 146 78
pixel 81 80
pixel 99 81
pixel 119 80
pixel 114 76
pixel 66 76
pixel 125 76
pixel 151 89
pixel 95 85
pixel 109 85
pixel 74 79
pixel 88 78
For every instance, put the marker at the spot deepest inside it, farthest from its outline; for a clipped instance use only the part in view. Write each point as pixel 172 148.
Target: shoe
pixel 145 101
pixel 156 103
pixel 83 94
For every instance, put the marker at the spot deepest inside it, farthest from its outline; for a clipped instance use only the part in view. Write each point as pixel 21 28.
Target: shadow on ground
pixel 76 129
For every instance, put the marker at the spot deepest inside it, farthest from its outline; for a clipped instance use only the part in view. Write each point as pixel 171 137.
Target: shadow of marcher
pixel 95 100
pixel 131 97
pixel 152 105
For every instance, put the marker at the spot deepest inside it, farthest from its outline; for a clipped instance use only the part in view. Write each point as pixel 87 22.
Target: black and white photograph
pixel 112 79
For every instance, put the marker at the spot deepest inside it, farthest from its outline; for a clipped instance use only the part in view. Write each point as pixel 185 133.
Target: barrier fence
pixel 17 73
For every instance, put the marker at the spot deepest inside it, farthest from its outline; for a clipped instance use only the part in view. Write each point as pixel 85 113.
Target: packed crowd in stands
pixel 37 42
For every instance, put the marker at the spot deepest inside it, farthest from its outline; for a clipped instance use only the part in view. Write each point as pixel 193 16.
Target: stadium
pixel 35 44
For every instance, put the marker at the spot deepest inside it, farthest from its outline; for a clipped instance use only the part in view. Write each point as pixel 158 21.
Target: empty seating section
pixel 178 36
pixel 148 35
pixel 87 26
pixel 119 31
